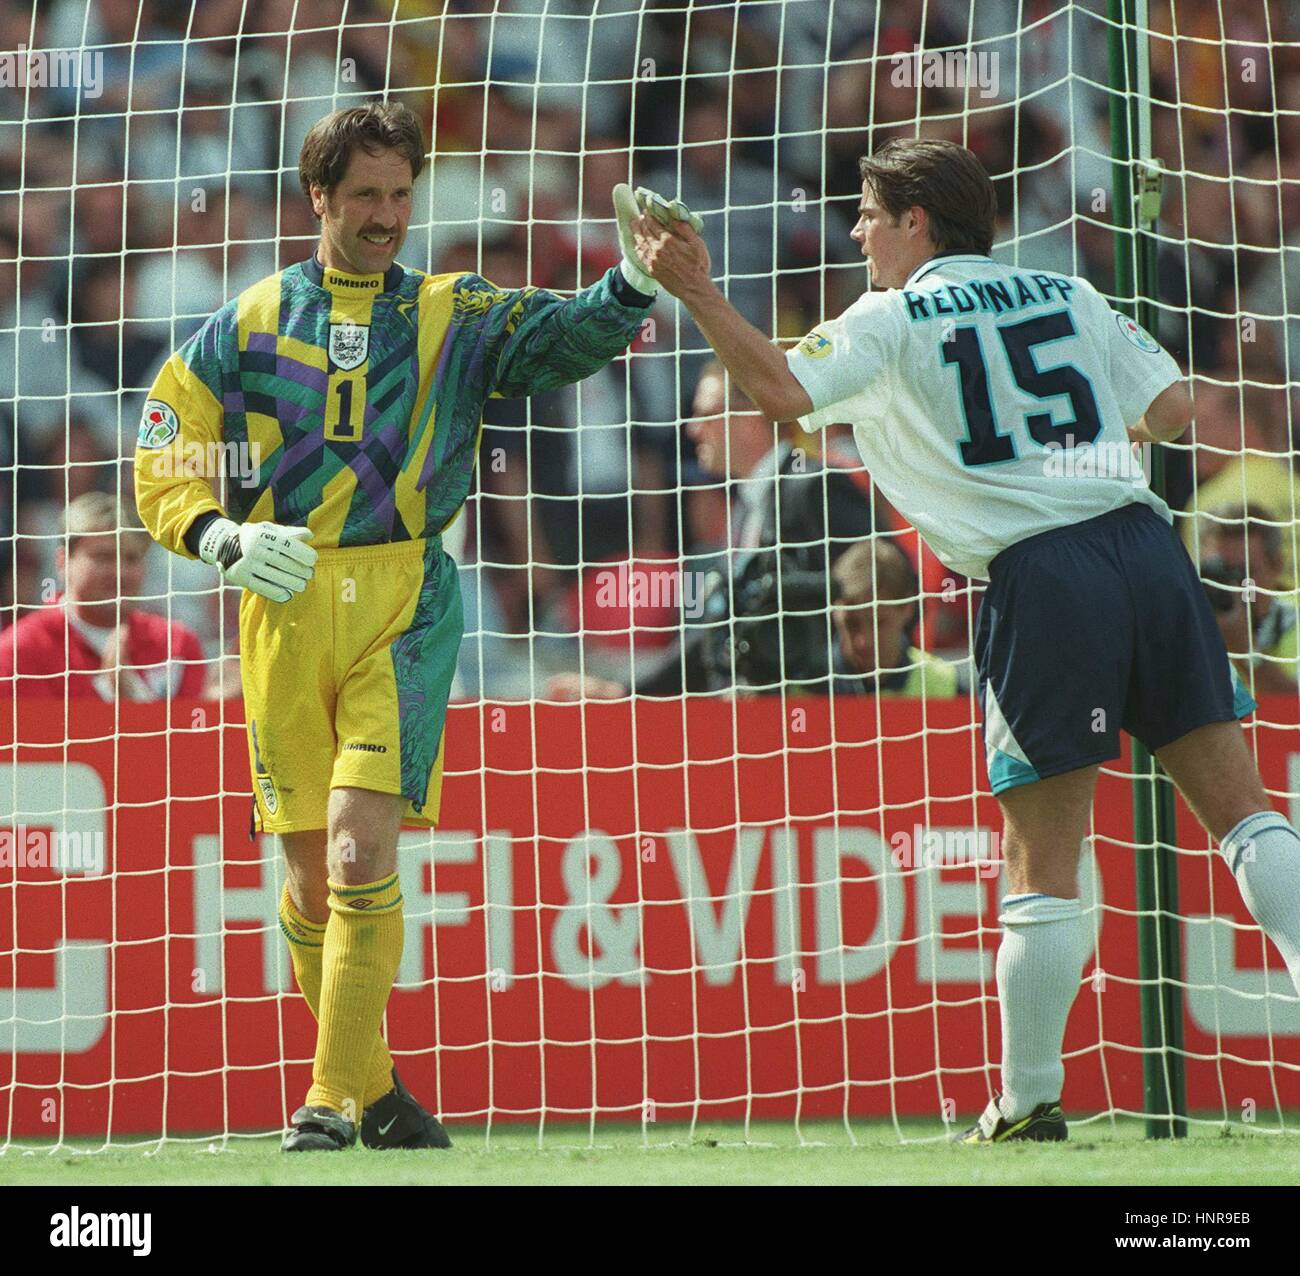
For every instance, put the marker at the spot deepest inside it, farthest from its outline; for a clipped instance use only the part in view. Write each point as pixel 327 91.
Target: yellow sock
pixel 307 952
pixel 363 948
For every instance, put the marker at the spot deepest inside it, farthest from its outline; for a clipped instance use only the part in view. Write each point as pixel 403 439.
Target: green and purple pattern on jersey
pixel 510 343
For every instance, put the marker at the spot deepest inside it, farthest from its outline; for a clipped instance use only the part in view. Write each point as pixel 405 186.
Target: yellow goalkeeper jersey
pixel 352 404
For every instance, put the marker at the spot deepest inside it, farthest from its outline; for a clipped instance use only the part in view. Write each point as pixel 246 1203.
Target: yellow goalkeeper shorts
pixel 347 683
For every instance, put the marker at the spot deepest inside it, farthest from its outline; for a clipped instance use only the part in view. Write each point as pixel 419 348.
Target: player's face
pixel 364 218
pixel 885 242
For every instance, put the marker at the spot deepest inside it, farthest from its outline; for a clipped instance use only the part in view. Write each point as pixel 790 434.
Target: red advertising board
pixel 663 910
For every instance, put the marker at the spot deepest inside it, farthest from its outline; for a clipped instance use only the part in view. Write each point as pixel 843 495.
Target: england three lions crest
pixel 349 345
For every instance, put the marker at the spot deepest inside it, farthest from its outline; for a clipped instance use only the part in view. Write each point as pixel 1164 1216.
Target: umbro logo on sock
pixel 360 903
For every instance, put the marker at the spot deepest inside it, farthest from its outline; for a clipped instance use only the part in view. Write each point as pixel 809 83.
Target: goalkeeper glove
pixel 629 205
pixel 269 559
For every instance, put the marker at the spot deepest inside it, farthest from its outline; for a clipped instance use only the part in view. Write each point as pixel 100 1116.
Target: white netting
pixel 721 899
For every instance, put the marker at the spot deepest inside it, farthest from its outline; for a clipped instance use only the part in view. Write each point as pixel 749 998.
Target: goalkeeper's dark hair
pixel 943 178
pixel 327 149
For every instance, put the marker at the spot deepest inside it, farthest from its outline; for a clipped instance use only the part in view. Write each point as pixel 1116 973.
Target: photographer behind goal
pixel 764 624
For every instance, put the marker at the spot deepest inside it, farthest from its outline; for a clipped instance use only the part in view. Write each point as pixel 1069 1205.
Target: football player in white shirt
pixel 995 406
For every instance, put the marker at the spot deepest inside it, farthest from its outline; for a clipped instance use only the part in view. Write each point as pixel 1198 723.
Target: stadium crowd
pixel 128 216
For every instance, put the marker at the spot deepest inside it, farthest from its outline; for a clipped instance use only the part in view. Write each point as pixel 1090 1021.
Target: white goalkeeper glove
pixel 270 560
pixel 629 205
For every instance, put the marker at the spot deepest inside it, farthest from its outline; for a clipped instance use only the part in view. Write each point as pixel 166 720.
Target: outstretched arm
pixel 544 340
pixel 678 259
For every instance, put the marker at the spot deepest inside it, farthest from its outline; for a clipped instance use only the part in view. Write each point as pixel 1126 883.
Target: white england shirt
pixel 989 402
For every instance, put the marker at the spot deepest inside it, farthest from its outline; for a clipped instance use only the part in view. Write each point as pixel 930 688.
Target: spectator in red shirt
pixel 94 640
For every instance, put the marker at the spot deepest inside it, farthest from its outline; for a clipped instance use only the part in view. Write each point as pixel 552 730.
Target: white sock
pixel 1263 851
pixel 1040 960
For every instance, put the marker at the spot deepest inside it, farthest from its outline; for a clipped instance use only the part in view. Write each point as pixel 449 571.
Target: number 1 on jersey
pixel 984 444
pixel 345 406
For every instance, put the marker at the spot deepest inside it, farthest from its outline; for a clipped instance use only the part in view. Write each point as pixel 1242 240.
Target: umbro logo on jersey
pixel 366 748
pixel 343 281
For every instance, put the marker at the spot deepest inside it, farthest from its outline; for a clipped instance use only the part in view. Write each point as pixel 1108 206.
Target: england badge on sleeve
pixel 349 345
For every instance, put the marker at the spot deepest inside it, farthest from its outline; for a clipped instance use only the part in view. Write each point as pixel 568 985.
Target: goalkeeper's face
pixel 363 219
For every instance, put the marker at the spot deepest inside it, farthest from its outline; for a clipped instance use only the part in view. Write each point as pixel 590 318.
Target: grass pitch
pixel 1100 1153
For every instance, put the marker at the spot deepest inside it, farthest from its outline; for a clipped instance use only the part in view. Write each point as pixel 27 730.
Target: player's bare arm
pixel 1167 418
pixel 677 257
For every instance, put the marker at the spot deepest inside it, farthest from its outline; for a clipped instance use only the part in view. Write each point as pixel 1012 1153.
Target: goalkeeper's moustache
pixel 628 206
pixel 271 560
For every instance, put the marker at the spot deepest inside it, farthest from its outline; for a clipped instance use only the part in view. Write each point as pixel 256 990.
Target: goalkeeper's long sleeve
pixel 540 341
pixel 180 431
pixel 351 404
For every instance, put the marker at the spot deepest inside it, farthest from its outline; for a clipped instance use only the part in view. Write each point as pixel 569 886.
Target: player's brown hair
pixel 327 149
pixel 943 178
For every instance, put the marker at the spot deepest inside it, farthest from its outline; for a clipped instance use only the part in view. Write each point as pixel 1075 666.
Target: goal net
pixel 711 853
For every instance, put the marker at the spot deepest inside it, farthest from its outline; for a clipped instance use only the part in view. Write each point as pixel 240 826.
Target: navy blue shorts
pixel 1089 629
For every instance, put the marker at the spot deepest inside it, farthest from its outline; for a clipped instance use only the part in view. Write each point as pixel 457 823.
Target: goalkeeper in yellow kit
pixel 356 387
